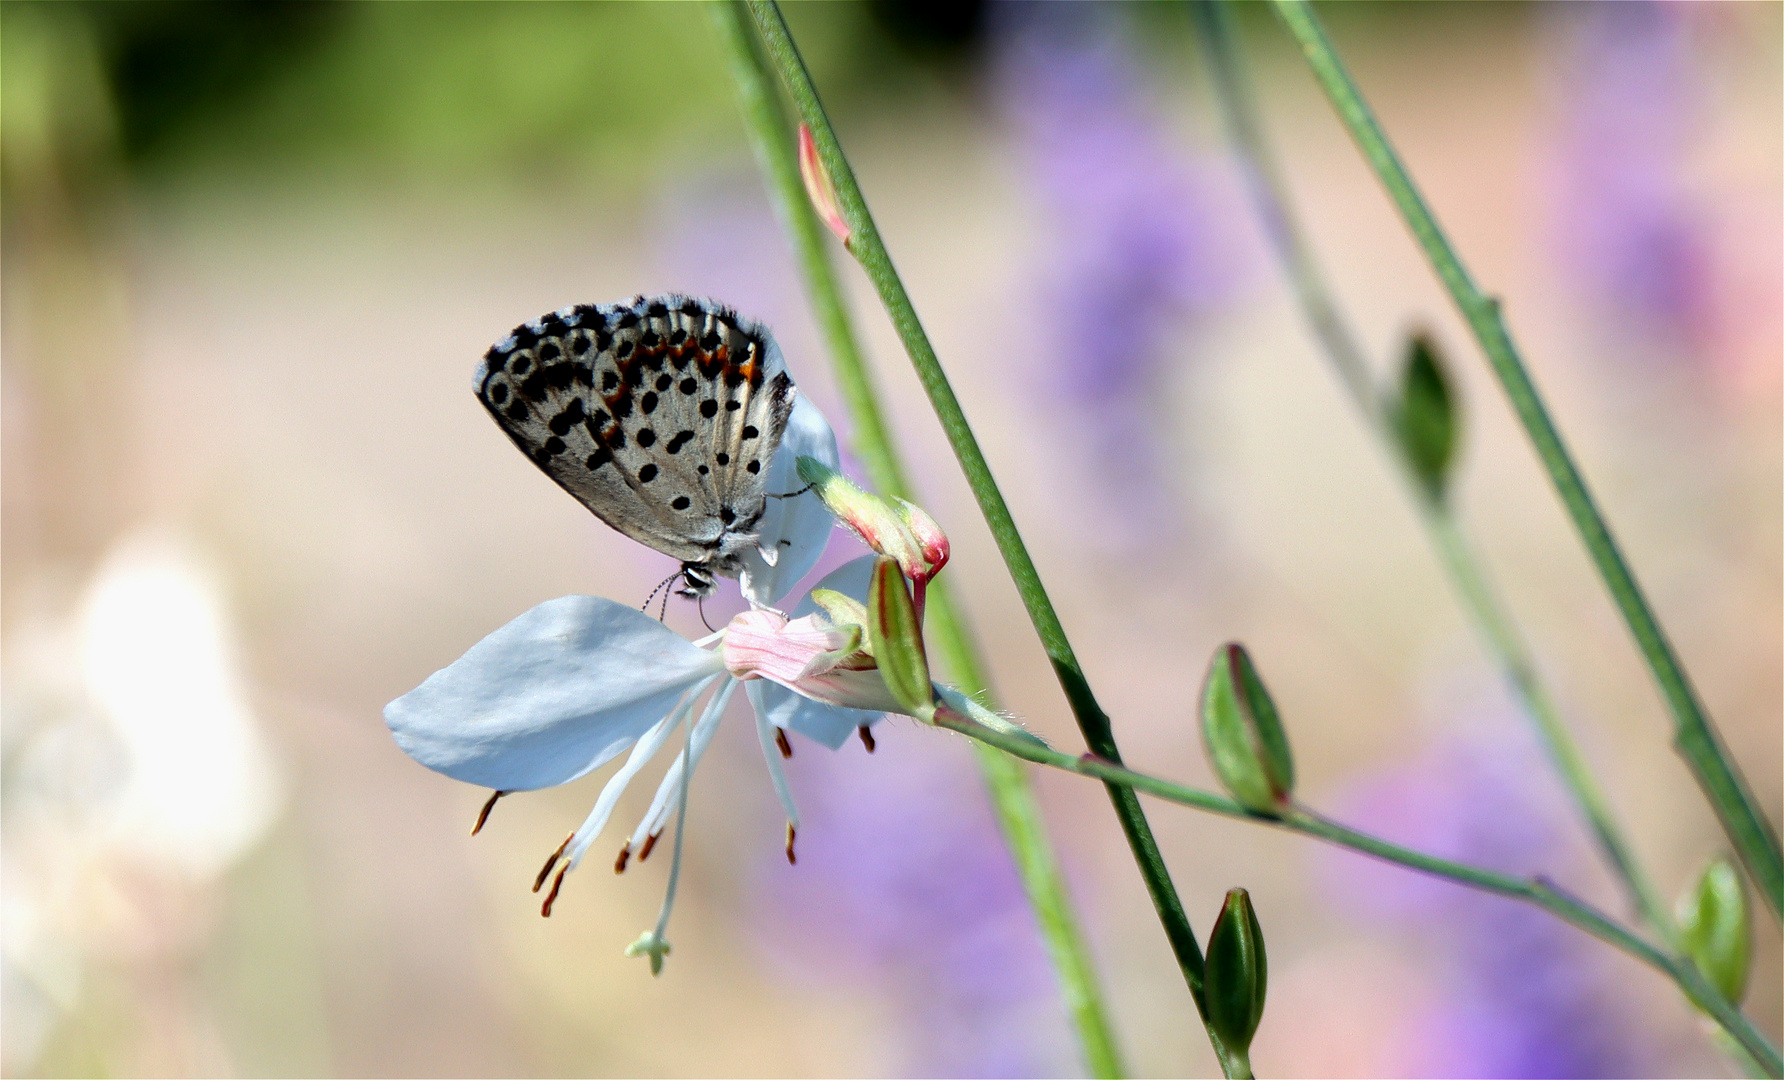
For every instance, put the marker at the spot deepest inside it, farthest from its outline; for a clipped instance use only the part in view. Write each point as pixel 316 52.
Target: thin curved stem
pixel 1006 780
pixel 1492 620
pixel 865 244
pixel 960 714
pixel 1695 736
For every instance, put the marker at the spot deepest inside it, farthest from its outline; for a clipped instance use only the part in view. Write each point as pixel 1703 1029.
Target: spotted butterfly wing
pixel 660 415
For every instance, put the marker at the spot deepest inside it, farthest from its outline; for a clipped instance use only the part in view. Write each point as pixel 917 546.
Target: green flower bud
pixel 897 639
pixel 1236 974
pixel 1425 418
pixel 1714 929
pixel 1242 735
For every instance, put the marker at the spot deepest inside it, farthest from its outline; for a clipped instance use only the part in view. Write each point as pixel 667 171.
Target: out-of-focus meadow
pixel 252 252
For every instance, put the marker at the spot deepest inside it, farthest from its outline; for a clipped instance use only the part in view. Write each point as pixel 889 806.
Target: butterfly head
pixel 697 581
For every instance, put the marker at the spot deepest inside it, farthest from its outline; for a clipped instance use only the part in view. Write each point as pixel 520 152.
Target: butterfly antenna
pixel 709 626
pixel 791 494
pixel 660 589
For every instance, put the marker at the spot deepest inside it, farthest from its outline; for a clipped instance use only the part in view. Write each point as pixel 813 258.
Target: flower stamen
pixel 780 740
pixel 866 737
pixel 791 833
pixel 619 864
pixel 551 897
pixel 650 843
pixel 551 862
pixel 483 815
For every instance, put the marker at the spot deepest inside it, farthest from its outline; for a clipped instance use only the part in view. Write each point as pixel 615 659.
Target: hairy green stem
pixel 870 251
pixel 1006 779
pixel 960 714
pixel 1491 618
pixel 1694 735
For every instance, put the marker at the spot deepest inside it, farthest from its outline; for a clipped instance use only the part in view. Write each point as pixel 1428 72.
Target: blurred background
pixel 253 250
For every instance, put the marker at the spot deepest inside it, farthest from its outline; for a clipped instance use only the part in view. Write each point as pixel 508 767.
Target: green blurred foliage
pixel 430 93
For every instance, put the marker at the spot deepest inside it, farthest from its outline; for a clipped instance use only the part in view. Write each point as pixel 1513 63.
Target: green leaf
pixel 1237 973
pixel 1714 928
pixel 1243 735
pixel 1426 419
pixel 897 640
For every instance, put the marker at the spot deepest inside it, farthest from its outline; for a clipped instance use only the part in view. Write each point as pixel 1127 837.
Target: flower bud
pixel 1714 929
pixel 897 639
pixel 1242 734
pixel 897 529
pixel 1236 974
pixel 931 541
pixel 819 186
pixel 1425 417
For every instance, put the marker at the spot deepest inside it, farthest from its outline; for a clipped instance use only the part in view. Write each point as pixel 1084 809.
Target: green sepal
pixel 842 610
pixel 1242 734
pixel 1425 417
pixel 1236 974
pixel 1714 929
pixel 897 641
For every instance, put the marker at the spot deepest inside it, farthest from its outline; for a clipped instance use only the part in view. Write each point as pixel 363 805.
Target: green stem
pixel 865 244
pixel 1491 619
pixel 960 714
pixel 1007 781
pixel 1694 735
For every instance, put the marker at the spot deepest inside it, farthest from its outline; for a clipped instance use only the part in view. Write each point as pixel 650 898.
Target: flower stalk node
pixel 820 188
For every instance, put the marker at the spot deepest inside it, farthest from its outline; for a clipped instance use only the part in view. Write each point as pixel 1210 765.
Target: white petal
pixel 557 692
pixel 799 527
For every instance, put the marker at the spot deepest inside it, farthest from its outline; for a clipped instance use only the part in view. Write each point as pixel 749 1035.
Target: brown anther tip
pixel 483 815
pixel 650 843
pixel 866 737
pixel 791 833
pixel 780 740
pixel 619 864
pixel 551 897
pixel 551 862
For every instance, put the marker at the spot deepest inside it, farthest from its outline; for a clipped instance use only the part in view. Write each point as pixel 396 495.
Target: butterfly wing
pixel 658 415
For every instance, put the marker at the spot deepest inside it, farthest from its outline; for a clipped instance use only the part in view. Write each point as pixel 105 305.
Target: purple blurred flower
pixel 1629 222
pixel 904 883
pixel 1136 243
pixel 1527 996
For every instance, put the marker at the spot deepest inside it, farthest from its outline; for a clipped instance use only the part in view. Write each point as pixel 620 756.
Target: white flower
pixel 574 682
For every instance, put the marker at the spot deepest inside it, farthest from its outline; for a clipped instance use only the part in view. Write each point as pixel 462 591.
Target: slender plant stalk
pixel 1491 617
pixel 1694 734
pixel 865 244
pixel 1006 779
pixel 961 714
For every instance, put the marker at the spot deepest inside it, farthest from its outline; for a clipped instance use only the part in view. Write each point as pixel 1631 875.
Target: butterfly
pixel 660 415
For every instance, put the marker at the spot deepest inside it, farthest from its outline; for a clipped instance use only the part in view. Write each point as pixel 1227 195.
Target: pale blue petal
pixel 799 527
pixel 828 724
pixel 851 579
pixel 559 691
